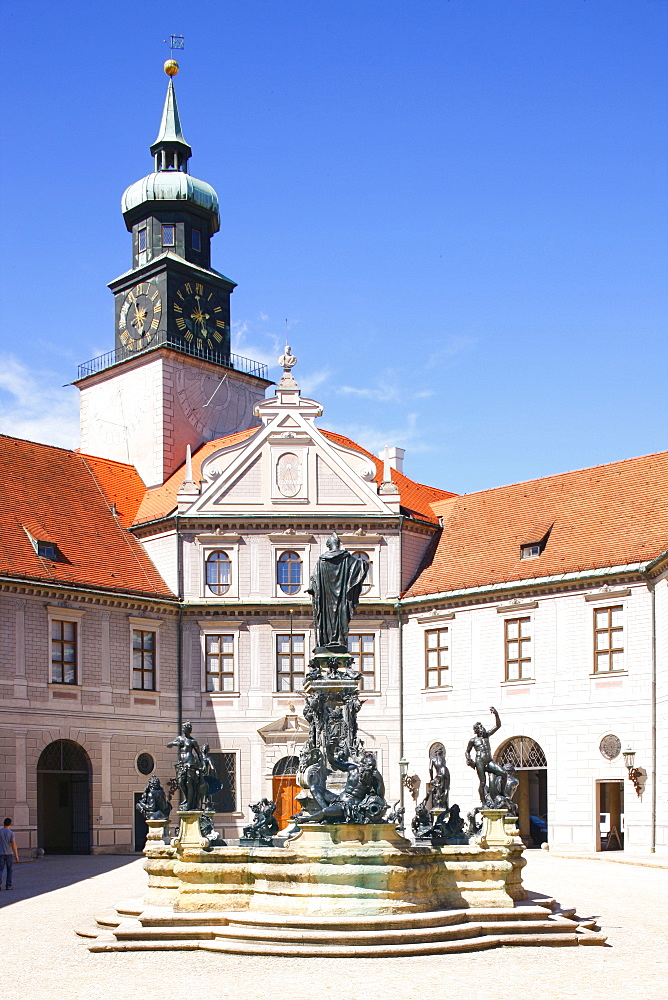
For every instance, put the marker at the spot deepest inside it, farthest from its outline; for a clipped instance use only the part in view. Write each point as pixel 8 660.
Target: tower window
pixel 141 240
pixel 196 239
pixel 168 235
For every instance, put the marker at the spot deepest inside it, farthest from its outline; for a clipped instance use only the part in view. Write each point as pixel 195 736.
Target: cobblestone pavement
pixel 44 960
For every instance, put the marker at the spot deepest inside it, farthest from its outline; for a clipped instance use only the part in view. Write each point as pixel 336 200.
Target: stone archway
pixel 63 798
pixel 528 759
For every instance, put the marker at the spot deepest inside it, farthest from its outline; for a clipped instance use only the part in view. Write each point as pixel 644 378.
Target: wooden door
pixel 284 793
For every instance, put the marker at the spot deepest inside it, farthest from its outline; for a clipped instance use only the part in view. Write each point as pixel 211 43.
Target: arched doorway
pixel 528 759
pixel 63 799
pixel 284 790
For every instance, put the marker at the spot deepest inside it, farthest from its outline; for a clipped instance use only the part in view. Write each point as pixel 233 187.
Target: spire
pixel 170 149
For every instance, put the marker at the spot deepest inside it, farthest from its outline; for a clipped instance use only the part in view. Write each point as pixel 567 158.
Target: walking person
pixel 8 852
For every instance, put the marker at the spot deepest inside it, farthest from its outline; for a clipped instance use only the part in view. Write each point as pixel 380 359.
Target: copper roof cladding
pixel 159 501
pixel 608 515
pixel 59 491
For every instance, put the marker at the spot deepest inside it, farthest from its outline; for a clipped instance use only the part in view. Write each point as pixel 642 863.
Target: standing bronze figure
pixel 483 763
pixel 335 586
pixel 189 770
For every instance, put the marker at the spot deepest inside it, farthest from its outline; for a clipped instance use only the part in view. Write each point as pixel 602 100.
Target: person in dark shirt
pixel 8 852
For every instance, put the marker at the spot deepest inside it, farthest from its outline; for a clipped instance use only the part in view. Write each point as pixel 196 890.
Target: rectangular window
pixel 143 660
pixel 63 652
pixel 290 661
pixel 196 239
pixel 225 766
pixel 219 662
pixel 437 657
pixel 518 648
pixel 608 644
pixel 47 551
pixel 363 650
pixel 168 235
pixel 141 240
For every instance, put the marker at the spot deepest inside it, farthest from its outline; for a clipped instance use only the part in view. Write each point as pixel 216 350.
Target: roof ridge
pixel 559 475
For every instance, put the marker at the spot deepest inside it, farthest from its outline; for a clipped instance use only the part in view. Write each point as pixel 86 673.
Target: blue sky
pixel 460 207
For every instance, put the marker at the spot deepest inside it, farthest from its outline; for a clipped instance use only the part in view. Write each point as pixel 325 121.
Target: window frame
pixel 197 249
pixel 610 629
pixel 375 687
pixel 518 620
pixel 73 617
pixel 210 633
pixel 300 586
pixel 145 651
pixel 302 548
pixel 237 778
pixel 209 557
pixel 154 625
pixel 142 231
pixel 438 669
pixel 208 544
pixel 172 226
pixel 286 633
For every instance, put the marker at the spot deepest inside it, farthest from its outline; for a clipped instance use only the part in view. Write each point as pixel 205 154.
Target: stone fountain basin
pixel 333 870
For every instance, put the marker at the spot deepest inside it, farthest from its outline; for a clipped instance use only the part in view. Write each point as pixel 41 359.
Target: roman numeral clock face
pixel 139 317
pixel 199 316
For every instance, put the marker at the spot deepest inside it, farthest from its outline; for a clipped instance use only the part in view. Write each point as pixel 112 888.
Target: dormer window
pixel 530 551
pixel 168 235
pixel 44 548
pixel 196 239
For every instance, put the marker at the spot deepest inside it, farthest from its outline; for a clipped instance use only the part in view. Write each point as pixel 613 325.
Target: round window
pixel 610 747
pixel 145 763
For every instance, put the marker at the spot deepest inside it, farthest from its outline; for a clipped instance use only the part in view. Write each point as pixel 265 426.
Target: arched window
pixel 286 765
pixel 522 752
pixel 368 582
pixel 218 573
pixel 289 572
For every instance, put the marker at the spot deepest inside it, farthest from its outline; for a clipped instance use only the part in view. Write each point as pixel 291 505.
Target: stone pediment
pixel 291 727
pixel 289 466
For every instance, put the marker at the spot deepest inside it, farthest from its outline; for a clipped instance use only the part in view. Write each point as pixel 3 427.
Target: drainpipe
pixel 400 622
pixel 652 591
pixel 179 633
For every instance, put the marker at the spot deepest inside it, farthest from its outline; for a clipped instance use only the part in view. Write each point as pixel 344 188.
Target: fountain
pixel 347 882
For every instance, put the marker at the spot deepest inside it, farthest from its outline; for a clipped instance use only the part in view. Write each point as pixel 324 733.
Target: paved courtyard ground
pixel 44 960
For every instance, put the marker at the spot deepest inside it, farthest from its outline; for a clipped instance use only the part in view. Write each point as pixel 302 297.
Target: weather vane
pixel 175 42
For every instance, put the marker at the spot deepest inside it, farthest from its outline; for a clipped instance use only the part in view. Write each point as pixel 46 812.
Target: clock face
pixel 199 316
pixel 140 316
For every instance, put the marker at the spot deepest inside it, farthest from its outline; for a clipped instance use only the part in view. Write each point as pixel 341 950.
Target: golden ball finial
pixel 171 67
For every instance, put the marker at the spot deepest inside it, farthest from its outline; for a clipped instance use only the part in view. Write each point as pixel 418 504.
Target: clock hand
pixel 138 321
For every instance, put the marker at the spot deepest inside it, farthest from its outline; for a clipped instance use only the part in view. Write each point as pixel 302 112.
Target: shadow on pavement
pixel 51 872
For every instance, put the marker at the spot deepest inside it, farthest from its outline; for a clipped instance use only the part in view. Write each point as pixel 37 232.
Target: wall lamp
pixel 635 773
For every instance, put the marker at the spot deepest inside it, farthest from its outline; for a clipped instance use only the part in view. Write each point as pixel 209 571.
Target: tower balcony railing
pixel 233 361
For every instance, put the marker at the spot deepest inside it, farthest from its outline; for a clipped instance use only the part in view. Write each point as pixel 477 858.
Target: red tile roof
pixel 416 499
pixel 57 494
pixel 120 483
pixel 159 501
pixel 609 515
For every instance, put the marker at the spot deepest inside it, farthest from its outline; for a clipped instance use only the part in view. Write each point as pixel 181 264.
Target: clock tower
pixel 171 379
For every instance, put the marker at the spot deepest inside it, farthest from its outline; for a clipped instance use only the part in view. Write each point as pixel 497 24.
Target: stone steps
pixel 242 932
